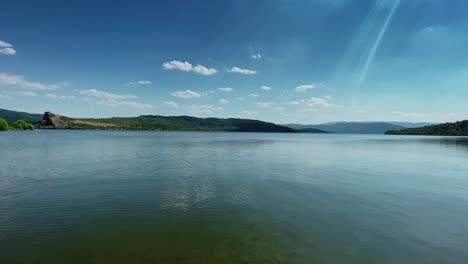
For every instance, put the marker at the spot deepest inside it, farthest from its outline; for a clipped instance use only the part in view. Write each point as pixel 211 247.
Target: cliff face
pixel 52 120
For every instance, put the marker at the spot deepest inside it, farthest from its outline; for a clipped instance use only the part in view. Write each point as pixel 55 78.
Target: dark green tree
pixel 22 125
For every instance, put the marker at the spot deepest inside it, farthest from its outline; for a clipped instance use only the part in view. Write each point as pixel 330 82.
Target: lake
pixel 199 197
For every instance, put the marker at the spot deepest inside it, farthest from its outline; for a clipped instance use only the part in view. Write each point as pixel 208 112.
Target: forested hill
pixel 175 123
pixel 449 129
pixel 146 122
pixel 13 116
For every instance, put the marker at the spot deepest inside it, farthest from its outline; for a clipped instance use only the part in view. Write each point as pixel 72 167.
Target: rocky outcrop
pixel 52 120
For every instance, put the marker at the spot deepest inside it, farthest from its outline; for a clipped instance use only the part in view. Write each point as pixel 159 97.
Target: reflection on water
pixel 149 197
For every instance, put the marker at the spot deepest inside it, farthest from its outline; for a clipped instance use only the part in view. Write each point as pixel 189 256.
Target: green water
pixel 170 197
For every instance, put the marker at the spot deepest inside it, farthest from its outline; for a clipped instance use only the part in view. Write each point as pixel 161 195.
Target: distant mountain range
pixel 367 127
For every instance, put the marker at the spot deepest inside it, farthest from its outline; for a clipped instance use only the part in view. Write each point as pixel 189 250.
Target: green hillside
pixel 13 116
pixel 448 129
pixel 174 123
pixel 148 122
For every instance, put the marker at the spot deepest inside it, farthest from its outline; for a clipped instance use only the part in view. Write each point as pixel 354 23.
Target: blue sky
pixel 302 61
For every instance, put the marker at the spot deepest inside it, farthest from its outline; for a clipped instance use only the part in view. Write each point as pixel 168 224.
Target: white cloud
pixel 204 109
pixel 303 88
pixel 314 101
pixel 177 65
pixel 204 70
pixel 187 94
pixel 253 95
pixel 138 83
pixel 24 93
pixel 7 79
pixel 4 44
pixel 186 66
pixel 294 102
pixel 241 71
pixel 225 89
pixel 256 56
pixel 265 88
pixel 171 104
pixel 224 101
pixel 264 104
pixel 8 51
pixel 106 95
pixel 113 102
pixel 6 48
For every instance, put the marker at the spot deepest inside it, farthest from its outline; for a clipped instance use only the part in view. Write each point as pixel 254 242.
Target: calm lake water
pixel 183 197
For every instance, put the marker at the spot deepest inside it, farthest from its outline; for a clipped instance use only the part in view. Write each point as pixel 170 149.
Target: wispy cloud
pixel 171 104
pixel 186 66
pixel 55 96
pixel 245 114
pixel 280 108
pixel 264 104
pixel 6 48
pixel 28 94
pixel 113 102
pixel 224 101
pixel 256 56
pixel 409 114
pixel 106 95
pixel 294 102
pixel 187 94
pixel 111 99
pixel 138 83
pixel 241 71
pixel 265 88
pixel 225 89
pixel 303 88
pixel 307 110
pixel 314 101
pixel 253 95
pixel 204 109
pixel 7 79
